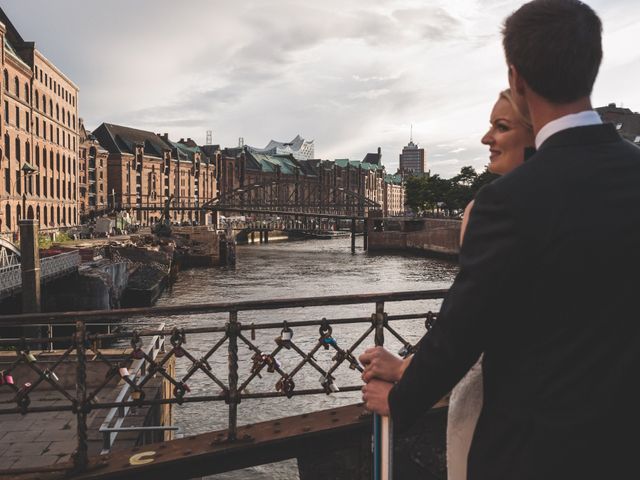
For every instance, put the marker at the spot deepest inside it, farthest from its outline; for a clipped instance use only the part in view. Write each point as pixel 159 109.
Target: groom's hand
pixel 375 396
pixel 381 364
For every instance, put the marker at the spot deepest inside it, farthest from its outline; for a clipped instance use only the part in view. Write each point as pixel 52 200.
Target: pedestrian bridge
pixel 51 267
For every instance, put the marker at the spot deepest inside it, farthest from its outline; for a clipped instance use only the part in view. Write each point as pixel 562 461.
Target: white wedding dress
pixel 465 404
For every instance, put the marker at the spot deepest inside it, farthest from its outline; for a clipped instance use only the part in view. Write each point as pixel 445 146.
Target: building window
pixel 27 152
pixel 37 97
pixel 6 111
pixel 18 150
pixel 26 120
pixel 50 108
pixel 37 156
pixel 17 116
pixel 7 180
pixel 17 86
pixel 18 186
pixel 57 112
pixel 7 146
pixel 44 129
pixel 26 92
pixel 6 80
pixel 37 126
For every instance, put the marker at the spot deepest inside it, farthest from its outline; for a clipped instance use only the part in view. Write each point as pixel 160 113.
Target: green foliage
pixel 62 238
pixel 433 194
pixel 44 242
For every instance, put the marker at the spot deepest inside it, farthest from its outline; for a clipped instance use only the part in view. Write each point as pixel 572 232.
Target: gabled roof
pixel 119 139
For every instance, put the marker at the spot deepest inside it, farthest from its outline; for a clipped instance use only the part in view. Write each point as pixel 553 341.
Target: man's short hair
pixel 556 46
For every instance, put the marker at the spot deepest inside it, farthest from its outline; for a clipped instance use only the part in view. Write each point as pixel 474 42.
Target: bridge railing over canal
pixel 50 268
pixel 286 361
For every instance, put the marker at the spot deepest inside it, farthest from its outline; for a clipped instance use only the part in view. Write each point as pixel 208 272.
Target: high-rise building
pixel 412 158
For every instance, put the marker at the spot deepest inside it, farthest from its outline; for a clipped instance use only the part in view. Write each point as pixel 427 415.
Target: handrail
pixel 232 386
pixel 71 317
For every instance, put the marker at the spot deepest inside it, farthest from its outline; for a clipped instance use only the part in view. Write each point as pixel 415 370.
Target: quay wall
pixel 431 236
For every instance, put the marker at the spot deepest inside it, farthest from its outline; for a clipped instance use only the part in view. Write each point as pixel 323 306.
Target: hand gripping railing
pixel 151 360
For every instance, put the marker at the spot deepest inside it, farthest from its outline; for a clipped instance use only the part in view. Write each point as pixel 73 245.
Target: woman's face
pixel 507 138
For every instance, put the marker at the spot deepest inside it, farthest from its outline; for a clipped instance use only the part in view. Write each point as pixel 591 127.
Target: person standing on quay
pixel 546 288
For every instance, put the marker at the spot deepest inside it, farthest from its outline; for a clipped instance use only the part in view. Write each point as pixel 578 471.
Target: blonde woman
pixel 510 132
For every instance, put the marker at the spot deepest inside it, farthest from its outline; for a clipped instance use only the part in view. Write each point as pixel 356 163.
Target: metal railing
pixel 151 360
pixel 50 267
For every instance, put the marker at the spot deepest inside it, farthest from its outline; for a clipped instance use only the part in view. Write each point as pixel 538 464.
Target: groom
pixel 548 281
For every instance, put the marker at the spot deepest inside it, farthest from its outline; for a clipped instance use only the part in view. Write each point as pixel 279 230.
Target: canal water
pixel 284 270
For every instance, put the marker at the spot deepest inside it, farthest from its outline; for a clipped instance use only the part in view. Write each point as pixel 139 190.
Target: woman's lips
pixel 493 154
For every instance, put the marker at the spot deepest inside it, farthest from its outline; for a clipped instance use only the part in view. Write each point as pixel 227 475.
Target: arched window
pixel 44 220
pixel 57 112
pixel 44 103
pixel 27 152
pixel 6 81
pixel 38 212
pixel 37 156
pixel 51 163
pixel 58 215
pixel 52 217
pixel 18 213
pixel 74 122
pixel 37 97
pixel 44 158
pixel 7 210
pixel 68 119
pixel 18 150
pixel 17 86
pixel 51 107
pixel 64 164
pixel 7 146
pixel 26 91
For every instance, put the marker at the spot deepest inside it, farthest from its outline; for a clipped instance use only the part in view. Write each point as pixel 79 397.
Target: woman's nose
pixel 487 139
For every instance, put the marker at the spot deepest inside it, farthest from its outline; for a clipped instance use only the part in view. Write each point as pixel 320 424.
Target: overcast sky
pixel 350 74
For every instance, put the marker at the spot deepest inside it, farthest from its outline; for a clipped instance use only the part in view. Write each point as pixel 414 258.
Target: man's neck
pixel 543 112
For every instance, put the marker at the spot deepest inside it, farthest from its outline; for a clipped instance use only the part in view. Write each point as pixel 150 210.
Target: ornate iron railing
pixel 50 268
pixel 147 359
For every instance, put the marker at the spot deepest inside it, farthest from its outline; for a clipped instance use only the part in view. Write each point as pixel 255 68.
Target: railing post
pixel 233 398
pixel 81 456
pixel 382 426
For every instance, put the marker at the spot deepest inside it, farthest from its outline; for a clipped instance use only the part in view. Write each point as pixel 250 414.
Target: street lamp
pixel 27 171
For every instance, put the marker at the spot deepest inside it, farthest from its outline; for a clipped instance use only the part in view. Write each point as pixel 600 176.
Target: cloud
pixel 351 74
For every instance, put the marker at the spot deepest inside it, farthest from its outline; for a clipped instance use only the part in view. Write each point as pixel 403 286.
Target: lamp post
pixel 27 170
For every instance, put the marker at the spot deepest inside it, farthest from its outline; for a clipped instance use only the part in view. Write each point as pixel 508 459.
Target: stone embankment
pixel 432 236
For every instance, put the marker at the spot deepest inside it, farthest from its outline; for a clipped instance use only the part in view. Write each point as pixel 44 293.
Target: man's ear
pixel 516 82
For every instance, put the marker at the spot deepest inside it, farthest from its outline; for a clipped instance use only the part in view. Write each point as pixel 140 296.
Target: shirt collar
pixel 581 119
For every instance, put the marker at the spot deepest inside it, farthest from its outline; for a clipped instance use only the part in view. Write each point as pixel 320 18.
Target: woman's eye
pixel 501 127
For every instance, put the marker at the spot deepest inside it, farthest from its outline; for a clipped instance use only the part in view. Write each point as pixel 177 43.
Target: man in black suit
pixel 547 287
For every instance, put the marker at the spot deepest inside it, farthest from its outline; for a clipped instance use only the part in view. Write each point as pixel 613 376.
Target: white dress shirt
pixel 582 119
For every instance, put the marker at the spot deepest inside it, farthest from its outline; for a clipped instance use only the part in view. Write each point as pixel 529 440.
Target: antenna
pixel 411 135
pixel 241 141
pixel 209 138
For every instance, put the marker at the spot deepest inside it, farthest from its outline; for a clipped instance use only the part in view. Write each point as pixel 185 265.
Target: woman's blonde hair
pixel 522 116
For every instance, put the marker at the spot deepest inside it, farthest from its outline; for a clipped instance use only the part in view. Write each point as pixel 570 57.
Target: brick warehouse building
pixel 92 176
pixel 144 169
pixel 40 137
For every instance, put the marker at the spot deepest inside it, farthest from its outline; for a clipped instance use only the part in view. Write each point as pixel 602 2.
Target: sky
pixel 352 75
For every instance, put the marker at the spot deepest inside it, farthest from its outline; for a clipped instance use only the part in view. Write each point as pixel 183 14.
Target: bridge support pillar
pixel 266 236
pixel 353 235
pixel 365 235
pixel 261 236
pixel 30 260
pixel 253 237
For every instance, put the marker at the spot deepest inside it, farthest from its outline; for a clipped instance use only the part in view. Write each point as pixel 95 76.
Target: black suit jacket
pixel 548 289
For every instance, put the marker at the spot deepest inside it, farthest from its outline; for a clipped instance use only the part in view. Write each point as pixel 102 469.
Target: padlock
pixel 137 395
pixel 31 358
pixel 8 378
pixel 124 372
pixel 203 361
pixel 253 331
pixel 1 377
pixel 327 341
pixel 24 389
pixel 404 351
pixel 51 375
pixel 287 335
pixel 138 354
pixel 178 352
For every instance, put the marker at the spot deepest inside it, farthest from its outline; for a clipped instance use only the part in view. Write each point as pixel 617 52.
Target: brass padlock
pixel 124 372
pixel 31 358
